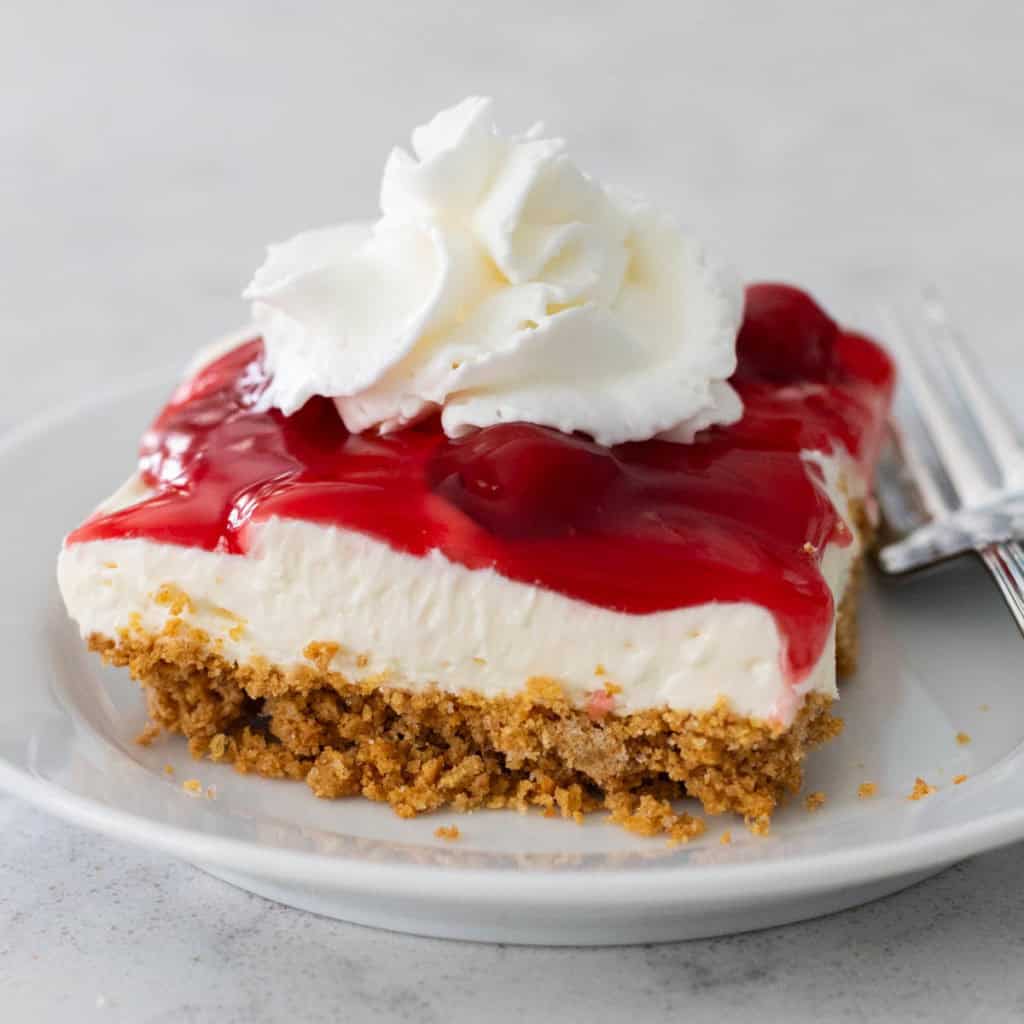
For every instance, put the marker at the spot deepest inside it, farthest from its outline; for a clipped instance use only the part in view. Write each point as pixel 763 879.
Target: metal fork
pixel 958 448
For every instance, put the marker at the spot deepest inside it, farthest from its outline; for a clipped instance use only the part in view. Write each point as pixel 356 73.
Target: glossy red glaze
pixel 638 528
pixel 785 336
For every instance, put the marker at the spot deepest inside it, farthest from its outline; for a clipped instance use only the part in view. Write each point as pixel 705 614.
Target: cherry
pixel 785 337
pixel 518 480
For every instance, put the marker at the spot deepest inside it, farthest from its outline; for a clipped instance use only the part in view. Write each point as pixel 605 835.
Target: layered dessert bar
pixel 512 497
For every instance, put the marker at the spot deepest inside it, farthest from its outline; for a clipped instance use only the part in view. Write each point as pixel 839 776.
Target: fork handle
pixel 1005 561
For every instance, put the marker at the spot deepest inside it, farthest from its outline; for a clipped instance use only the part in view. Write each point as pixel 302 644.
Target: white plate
pixel 936 654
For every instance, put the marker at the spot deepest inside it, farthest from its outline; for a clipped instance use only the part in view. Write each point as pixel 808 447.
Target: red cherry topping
pixel 517 479
pixel 786 336
pixel 639 528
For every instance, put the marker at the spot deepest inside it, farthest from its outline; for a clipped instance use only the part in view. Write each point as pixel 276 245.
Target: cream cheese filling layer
pixel 426 621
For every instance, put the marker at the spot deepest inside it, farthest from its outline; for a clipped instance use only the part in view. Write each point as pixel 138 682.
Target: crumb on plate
pixel 814 800
pixel 866 790
pixel 759 826
pixel 921 789
pixel 146 737
pixel 649 816
pixel 448 832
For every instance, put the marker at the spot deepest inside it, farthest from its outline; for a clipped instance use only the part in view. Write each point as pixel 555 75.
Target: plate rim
pixel 666 884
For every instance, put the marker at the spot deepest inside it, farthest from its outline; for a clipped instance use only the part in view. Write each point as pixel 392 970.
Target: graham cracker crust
pixel 422 751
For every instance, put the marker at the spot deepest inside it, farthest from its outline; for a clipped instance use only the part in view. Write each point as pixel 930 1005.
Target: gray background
pixel 147 153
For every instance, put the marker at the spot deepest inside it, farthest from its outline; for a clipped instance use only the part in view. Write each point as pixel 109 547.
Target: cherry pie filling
pixel 740 515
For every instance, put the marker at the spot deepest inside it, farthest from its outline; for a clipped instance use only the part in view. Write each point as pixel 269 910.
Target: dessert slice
pixel 479 518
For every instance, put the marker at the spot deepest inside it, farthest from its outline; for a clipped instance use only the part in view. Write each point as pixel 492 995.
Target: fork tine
pixel 1015 553
pixel 995 425
pixel 1002 562
pixel 928 487
pixel 960 463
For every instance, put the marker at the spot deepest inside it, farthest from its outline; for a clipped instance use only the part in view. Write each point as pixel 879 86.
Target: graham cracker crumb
pixel 648 815
pixel 921 790
pixel 447 832
pixel 866 790
pixel 193 786
pixel 599 670
pixel 168 769
pixel 685 829
pixel 211 792
pixel 479 661
pixel 173 598
pixel 814 801
pixel 237 631
pixel 148 734
pixel 847 639
pixel 110 565
pixel 726 838
pixel 957 779
pixel 759 826
pixel 424 750
pixel 810 549
pixel 544 690
pixel 963 739
pixel 362 660
pixel 321 654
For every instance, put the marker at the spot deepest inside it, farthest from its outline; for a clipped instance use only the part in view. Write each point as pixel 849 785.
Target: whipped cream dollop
pixel 502 284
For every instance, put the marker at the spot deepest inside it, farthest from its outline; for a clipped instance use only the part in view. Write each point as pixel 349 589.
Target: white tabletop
pixel 149 151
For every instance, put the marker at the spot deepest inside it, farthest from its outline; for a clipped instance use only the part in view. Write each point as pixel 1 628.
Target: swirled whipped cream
pixel 502 284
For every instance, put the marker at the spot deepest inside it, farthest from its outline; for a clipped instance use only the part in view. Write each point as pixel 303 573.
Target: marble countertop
pixel 151 150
